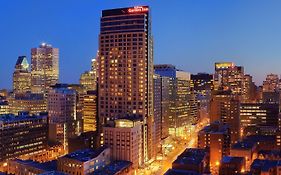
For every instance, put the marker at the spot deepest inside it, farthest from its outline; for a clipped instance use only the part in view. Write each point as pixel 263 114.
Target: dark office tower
pixel 125 68
pixel 250 90
pixel 158 111
pixel 21 76
pixel 224 107
pixel 44 68
pixel 259 117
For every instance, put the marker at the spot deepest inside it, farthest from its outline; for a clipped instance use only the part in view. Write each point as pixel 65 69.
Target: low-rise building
pixel 265 167
pixel 124 137
pixel 193 160
pixel 84 162
pixel 27 167
pixel 246 149
pixel 120 167
pixel 232 165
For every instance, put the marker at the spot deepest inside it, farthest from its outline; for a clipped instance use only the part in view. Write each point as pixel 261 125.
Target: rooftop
pixel 12 117
pixel 47 166
pixel 275 153
pixel 180 172
pixel 260 138
pixel 53 173
pixel 191 156
pixel 243 145
pixel 231 159
pixel 264 165
pixel 85 154
pixel 113 168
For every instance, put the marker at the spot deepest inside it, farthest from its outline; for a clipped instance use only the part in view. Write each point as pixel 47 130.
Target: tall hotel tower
pixel 125 67
pixel 44 68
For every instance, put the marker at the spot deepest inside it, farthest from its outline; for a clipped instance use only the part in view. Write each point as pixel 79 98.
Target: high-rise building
pixel 44 68
pixel 228 76
pixel 258 115
pixel 125 69
pixel 178 100
pixel 89 78
pixel 21 76
pixel 271 83
pixel 202 84
pixel 225 107
pixel 61 109
pixel 157 111
pixel 89 111
pixel 33 103
pixel 124 138
pixel 250 90
pixel 22 135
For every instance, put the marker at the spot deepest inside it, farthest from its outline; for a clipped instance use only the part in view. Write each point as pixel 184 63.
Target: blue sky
pixel 192 34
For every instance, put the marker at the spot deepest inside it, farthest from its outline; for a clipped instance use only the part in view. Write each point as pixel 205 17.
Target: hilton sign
pixel 138 9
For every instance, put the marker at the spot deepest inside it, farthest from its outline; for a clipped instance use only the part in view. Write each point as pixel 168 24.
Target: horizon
pixel 222 35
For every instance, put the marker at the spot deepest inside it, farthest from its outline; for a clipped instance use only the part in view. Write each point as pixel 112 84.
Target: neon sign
pixel 137 9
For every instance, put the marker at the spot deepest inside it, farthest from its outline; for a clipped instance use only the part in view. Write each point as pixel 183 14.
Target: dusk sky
pixel 191 34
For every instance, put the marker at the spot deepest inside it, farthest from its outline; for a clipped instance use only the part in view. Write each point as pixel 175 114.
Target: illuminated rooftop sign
pixel 138 9
pixel 224 65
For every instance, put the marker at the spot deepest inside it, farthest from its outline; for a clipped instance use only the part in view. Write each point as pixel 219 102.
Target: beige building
pixel 44 68
pixel 125 69
pixel 62 114
pixel 84 162
pixel 124 138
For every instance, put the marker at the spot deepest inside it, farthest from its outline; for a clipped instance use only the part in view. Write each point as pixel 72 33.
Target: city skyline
pixel 211 31
pixel 133 114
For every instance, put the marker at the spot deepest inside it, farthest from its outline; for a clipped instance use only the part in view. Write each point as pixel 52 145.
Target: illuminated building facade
pixel 61 109
pixel 178 99
pixel 4 107
pixel 44 68
pixel 225 107
pixel 250 90
pixel 89 78
pixel 21 76
pixel 125 69
pixel 202 85
pixel 22 134
pixel 89 111
pixel 33 103
pixel 228 76
pixel 271 83
pixel 258 115
pixel 217 138
pixel 124 138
